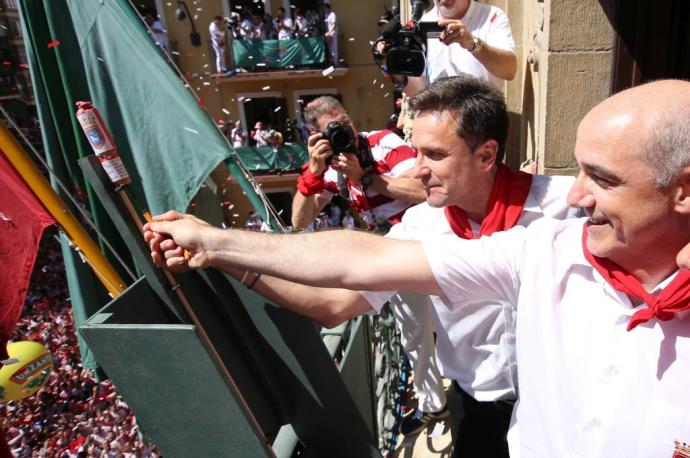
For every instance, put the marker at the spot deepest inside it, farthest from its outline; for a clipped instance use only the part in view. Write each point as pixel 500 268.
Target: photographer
pixel 384 190
pixel 476 40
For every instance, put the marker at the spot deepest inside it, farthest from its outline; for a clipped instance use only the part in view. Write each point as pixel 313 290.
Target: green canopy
pixel 101 51
pixel 277 54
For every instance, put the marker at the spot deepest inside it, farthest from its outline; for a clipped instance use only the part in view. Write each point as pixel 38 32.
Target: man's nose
pixel 580 194
pixel 420 169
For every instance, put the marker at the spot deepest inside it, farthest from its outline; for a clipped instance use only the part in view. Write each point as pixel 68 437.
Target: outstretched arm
pixel 335 259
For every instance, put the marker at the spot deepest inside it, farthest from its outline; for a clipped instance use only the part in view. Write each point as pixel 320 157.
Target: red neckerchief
pixel 506 202
pixel 675 297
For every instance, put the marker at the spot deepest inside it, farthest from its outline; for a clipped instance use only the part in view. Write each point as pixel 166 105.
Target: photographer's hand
pixel 455 31
pixel 319 151
pixel 351 168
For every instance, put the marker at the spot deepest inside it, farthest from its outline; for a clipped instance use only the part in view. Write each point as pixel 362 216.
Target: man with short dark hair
pixel 603 312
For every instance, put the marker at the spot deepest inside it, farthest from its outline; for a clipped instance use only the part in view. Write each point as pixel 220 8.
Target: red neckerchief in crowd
pixel 506 202
pixel 675 297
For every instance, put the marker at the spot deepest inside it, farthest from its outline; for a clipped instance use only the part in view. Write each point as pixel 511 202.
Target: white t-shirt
pixel 217 33
pixel 486 22
pixel 475 343
pixel 284 34
pixel 332 23
pixel 588 387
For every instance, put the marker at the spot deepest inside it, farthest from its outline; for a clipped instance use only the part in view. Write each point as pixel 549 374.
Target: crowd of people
pixel 74 414
pixel 258 24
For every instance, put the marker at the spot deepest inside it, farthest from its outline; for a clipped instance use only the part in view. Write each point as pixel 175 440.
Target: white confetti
pixel 206 83
pixel 386 94
pixel 328 71
pixel 383 85
pixel 266 88
pixel 205 65
pixel 351 39
pixel 226 111
pixel 189 129
pixel 247 100
pixel 175 53
pixel 277 109
pixel 100 59
pixel 373 82
pixel 241 98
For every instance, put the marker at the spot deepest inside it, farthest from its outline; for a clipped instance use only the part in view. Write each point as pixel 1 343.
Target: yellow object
pixel 50 200
pixel 23 378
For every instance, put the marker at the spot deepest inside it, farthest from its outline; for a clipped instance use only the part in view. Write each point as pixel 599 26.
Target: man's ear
pixel 682 192
pixel 485 154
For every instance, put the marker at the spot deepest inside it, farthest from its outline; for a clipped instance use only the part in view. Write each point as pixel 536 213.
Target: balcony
pixel 280 59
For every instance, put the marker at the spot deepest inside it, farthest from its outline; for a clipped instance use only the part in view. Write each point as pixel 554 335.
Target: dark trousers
pixel 479 428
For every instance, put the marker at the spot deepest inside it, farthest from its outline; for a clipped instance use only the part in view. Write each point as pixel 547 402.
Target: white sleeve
pixel 500 35
pixel 377 299
pixel 483 269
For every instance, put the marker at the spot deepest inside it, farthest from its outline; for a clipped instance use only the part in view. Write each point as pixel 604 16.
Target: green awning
pixel 287 158
pixel 279 54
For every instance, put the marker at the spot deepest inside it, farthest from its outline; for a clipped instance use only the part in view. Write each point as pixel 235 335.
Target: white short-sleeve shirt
pixel 486 22
pixel 475 344
pixel 588 387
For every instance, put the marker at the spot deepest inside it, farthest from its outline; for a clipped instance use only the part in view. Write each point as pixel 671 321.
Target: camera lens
pixel 341 140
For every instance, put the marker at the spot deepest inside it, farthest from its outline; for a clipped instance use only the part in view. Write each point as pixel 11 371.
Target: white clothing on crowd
pixel 285 32
pixel 588 387
pixel 218 43
pixel 332 36
pixel 486 22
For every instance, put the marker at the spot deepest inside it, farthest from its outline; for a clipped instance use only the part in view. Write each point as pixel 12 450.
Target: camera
pixel 342 140
pixel 340 137
pixel 404 47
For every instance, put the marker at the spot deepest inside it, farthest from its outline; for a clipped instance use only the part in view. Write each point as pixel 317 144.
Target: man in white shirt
pixel 460 134
pixel 331 33
pixel 603 311
pixel 283 25
pixel 217 32
pixel 476 40
pixel 260 135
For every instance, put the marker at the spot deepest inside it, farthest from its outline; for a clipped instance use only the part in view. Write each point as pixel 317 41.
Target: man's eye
pixel 601 181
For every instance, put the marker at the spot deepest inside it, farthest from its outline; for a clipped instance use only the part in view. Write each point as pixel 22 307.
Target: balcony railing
pixel 257 55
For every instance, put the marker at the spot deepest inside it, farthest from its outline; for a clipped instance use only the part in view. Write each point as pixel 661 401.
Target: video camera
pixel 404 47
pixel 342 140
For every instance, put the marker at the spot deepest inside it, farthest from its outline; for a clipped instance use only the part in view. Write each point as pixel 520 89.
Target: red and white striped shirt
pixel 393 157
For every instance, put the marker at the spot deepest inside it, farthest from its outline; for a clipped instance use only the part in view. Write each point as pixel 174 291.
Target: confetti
pixel 247 100
pixel 373 82
pixel 224 110
pixel 100 59
pixel 386 94
pixel 277 109
pixel 206 83
pixel 351 39
pixel 189 129
pixel 328 71
pixel 53 44
pixel 241 98
pixel 383 85
pixel 266 88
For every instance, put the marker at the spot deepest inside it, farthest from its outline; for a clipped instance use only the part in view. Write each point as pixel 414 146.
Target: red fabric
pixel 22 220
pixel 308 183
pixel 506 201
pixel 4 448
pixel 675 297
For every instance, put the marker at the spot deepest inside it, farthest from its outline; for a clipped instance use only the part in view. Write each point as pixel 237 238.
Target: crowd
pixel 257 24
pixel 74 415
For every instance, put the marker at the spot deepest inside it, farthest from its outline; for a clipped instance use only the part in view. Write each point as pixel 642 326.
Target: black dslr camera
pixel 404 47
pixel 342 140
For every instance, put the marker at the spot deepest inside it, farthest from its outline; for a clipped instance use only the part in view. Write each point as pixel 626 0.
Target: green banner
pixel 100 50
pixel 287 158
pixel 278 54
